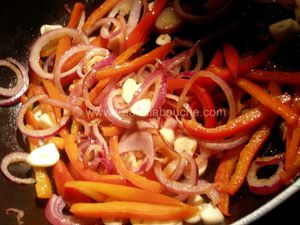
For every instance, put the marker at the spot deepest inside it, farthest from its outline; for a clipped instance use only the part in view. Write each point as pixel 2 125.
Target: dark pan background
pixel 20 21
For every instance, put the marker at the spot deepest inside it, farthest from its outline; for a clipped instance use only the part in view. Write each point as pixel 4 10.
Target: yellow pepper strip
pixel 43 186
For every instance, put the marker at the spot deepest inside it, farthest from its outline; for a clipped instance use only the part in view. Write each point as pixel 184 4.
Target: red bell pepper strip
pixel 247 121
pixel 217 59
pixel 85 173
pixel 210 119
pixel 132 210
pixel 282 109
pixel 61 175
pixel 100 12
pixel 223 175
pixel 282 77
pixel 137 180
pixel 141 32
pixel 247 155
pixel 258 59
pixel 128 67
pixel 231 58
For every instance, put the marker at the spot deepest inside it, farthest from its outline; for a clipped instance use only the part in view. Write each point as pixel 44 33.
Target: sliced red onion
pixel 111 113
pixel 86 126
pixel 88 81
pixel 92 53
pixel 186 106
pixel 57 74
pixel 34 56
pixel 39 133
pixel 101 140
pixel 20 214
pixel 202 187
pixel 223 85
pixel 23 82
pixel 150 123
pixel 8 92
pixel 49 61
pixel 226 144
pixel 81 21
pixel 176 60
pixel 265 186
pixel 179 169
pixel 139 141
pixel 134 16
pixel 192 175
pixel 105 62
pixel 159 78
pixel 54 212
pixel 110 86
pixel 15 157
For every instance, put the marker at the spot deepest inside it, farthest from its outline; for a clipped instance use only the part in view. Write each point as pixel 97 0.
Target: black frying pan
pixel 19 26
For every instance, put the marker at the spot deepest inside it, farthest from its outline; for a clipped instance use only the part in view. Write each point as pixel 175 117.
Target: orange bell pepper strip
pixel 128 67
pixel 210 119
pixel 137 180
pixel 100 12
pixel 98 88
pixel 282 77
pixel 65 43
pixel 75 15
pixel 112 131
pixel 248 153
pixel 247 121
pixel 258 59
pixel 56 94
pixel 85 173
pixel 132 210
pixel 125 193
pixel 129 52
pixel 61 175
pixel 222 176
pixel 282 109
pixel 141 32
pixel 288 176
pixel 292 148
pixel 231 58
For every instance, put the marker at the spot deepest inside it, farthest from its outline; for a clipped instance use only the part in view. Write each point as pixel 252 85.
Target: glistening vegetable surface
pixel 107 166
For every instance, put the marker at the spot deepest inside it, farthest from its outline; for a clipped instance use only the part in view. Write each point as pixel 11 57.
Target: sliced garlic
pixel 195 200
pixel 168 134
pixel 45 121
pixel 163 39
pixel 187 144
pixel 46 28
pixel 129 88
pixel 112 221
pixel 141 107
pixel 284 29
pixel 153 222
pixel 211 214
pixel 44 156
